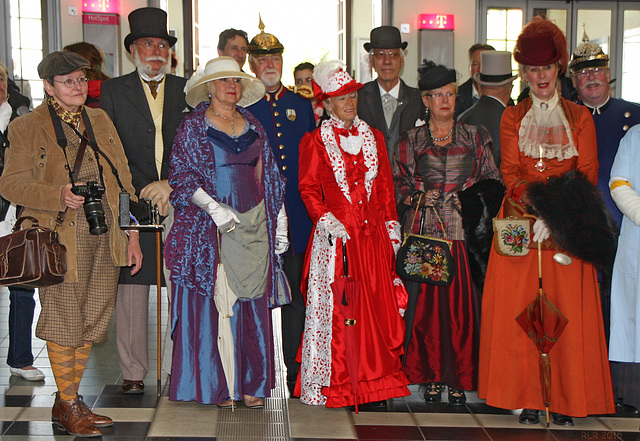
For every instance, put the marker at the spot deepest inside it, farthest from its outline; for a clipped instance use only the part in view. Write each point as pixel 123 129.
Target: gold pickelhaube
pixel 588 55
pixel 264 43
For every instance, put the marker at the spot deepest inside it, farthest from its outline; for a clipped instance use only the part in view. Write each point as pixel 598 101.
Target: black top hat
pixel 385 37
pixel 148 22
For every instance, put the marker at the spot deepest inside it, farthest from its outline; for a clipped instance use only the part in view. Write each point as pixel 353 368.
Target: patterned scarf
pixel 72 118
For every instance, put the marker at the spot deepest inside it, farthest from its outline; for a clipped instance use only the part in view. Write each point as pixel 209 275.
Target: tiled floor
pixel 25 411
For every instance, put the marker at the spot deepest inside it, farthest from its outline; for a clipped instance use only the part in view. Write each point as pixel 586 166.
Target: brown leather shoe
pixel 94 418
pixel 72 418
pixel 132 387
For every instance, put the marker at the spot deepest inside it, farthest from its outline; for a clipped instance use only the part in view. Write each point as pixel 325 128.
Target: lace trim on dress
pixel 545 131
pixel 315 370
pixel 359 130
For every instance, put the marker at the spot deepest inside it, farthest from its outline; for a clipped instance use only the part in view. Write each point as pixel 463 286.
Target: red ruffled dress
pixel 358 190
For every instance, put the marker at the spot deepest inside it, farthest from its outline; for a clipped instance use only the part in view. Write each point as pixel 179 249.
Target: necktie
pixel 389 104
pixel 153 87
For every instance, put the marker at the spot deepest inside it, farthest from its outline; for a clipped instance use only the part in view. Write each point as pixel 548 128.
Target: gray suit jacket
pixel 410 109
pixel 488 113
pixel 124 101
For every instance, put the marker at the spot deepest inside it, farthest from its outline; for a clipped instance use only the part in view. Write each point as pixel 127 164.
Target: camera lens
pixel 94 212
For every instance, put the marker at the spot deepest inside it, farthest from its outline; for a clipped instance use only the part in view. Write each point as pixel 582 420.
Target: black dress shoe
pixel 433 393
pixel 457 396
pixel 132 387
pixel 561 420
pixel 529 416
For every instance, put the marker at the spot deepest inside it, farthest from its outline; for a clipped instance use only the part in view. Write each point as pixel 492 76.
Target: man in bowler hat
pixel 146 106
pixel 387 103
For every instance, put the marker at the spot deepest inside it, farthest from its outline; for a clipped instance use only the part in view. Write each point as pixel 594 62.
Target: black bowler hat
pixel 385 37
pixel 148 22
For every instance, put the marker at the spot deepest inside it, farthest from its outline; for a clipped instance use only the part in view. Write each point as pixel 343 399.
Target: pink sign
pixel 108 6
pixel 100 19
pixel 435 21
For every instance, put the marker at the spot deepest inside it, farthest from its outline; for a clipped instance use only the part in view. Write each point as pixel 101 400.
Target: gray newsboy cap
pixel 61 63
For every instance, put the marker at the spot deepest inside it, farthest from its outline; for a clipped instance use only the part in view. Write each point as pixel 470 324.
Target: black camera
pixel 93 209
pixel 139 213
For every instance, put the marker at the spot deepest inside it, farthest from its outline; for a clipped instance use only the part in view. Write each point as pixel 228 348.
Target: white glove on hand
pixel 393 230
pixel 224 218
pixel 282 228
pixel 333 226
pixel 627 200
pixel 540 231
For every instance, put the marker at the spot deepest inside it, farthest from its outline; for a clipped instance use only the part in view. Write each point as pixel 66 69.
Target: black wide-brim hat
pixel 385 37
pixel 145 23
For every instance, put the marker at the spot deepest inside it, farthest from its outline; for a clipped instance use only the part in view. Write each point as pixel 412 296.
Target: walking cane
pixel 159 305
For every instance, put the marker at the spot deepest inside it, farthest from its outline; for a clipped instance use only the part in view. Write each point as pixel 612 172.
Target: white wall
pixel 406 11
pixel 72 27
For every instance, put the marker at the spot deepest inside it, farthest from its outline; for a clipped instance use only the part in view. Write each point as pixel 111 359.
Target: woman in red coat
pixel 544 137
pixel 346 185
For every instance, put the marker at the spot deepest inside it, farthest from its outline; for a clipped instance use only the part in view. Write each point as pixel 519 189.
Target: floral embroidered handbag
pixel 511 236
pixel 426 259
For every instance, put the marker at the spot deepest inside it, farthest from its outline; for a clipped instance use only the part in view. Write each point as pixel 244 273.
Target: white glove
pixel 540 231
pixel 393 230
pixel 282 227
pixel 627 200
pixel 224 218
pixel 333 226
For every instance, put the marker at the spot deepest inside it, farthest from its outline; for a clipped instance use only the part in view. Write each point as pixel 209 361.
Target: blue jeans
pixel 21 307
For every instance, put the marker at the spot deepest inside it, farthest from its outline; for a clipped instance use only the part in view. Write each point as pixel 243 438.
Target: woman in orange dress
pixel 543 137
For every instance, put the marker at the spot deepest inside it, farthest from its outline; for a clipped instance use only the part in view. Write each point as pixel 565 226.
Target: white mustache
pixel 593 83
pixel 157 58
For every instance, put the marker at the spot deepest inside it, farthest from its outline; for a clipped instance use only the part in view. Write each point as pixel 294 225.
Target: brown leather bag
pixel 33 257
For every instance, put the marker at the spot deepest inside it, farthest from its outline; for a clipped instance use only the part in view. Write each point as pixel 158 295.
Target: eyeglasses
pixel 149 44
pixel 584 73
pixel 69 82
pixel 440 96
pixel 381 54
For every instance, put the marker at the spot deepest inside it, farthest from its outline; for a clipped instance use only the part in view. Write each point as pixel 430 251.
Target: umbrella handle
pixel 540 266
pixel 345 265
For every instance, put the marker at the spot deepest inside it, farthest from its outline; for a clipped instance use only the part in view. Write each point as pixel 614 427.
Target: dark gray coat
pixel 488 113
pixel 124 100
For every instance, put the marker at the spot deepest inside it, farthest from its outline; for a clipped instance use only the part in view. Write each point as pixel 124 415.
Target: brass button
pixel 276 114
pixel 111 140
pixel 274 104
pixel 278 124
pixel 281 147
pixel 284 168
pixel 283 157
pixel 625 127
pixel 627 114
pixel 279 134
pixel 41 164
pixel 72 223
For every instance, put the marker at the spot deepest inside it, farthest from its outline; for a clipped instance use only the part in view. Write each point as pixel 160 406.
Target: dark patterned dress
pixel 443 345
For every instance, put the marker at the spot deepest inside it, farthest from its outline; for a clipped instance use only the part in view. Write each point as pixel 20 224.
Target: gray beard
pixel 147 69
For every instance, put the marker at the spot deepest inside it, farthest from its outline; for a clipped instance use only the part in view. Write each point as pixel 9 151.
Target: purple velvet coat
pixel 191 251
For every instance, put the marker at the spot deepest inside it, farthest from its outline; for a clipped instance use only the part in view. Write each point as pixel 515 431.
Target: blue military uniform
pixel 612 121
pixel 286 117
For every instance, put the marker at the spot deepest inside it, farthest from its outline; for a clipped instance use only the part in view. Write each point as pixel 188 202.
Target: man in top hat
pixel 589 68
pixel 495 81
pixel 387 103
pixel 468 92
pixel 286 117
pixel 146 106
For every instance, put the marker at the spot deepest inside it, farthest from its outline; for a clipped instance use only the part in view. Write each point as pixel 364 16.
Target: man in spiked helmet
pixel 286 117
pixel 589 68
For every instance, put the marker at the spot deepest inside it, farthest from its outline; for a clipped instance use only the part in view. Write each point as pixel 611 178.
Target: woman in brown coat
pixel 76 313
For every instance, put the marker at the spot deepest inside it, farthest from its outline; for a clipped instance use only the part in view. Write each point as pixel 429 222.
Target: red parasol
pixel 543 323
pixel 348 289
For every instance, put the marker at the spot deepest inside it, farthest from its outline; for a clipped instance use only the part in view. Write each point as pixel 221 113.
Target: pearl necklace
pixel 232 121
pixel 440 139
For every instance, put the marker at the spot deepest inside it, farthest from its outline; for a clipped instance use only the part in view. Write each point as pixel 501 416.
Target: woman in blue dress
pixel 226 190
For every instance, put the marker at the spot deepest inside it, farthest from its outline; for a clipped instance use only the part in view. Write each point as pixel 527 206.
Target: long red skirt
pixel 444 341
